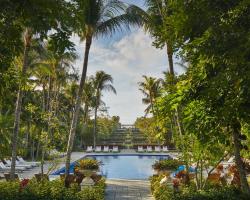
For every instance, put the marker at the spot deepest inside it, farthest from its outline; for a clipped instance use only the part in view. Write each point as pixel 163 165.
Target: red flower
pixel 24 183
pixel 176 182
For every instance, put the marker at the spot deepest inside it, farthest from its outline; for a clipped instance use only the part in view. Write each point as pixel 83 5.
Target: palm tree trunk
pixel 170 59
pixel 152 104
pixel 28 137
pixel 239 163
pixel 95 127
pixel 27 43
pixel 33 150
pixel 171 71
pixel 46 108
pixel 77 109
pixel 86 110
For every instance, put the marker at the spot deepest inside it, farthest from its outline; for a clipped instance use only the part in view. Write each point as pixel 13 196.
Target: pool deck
pixel 47 166
pixel 78 155
pixel 129 190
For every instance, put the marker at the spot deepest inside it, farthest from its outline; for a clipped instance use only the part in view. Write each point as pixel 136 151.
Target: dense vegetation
pixel 207 108
pixel 49 190
pixel 40 94
pixel 212 192
pixel 205 112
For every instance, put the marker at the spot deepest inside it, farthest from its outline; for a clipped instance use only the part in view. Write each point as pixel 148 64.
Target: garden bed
pixel 211 192
pixel 50 190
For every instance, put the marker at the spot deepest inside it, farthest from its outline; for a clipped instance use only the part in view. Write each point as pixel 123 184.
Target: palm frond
pixel 111 8
pixel 109 88
pixel 117 23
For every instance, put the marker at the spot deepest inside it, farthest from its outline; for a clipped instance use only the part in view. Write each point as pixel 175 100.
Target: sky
pixel 127 57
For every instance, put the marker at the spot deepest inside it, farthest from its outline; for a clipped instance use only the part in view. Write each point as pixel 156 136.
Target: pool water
pixel 133 167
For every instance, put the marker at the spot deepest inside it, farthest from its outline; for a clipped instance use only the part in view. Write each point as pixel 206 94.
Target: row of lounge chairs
pixel 115 149
pixel 105 149
pixel 21 164
pixel 150 149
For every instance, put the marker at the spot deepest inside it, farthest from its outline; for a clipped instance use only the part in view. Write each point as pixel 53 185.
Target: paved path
pixel 129 190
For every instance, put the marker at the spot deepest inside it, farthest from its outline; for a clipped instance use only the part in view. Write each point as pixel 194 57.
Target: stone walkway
pixel 129 190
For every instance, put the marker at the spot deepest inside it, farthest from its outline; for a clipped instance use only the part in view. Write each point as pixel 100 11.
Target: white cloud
pixel 126 60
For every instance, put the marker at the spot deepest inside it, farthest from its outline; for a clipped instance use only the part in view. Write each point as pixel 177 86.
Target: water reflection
pixel 127 167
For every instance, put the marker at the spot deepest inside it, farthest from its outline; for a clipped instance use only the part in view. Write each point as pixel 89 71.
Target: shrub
pixel 50 190
pixel 155 182
pixel 212 192
pixel 166 164
pixel 93 193
pixel 89 164
pixel 9 190
pixel 221 193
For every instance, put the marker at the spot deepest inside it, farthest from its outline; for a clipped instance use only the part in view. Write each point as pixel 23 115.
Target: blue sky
pixel 126 57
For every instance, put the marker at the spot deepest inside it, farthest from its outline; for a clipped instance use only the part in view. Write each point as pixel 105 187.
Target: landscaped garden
pixel 196 123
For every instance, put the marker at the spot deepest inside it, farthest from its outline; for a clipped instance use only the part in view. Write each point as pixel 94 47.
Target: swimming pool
pixel 133 167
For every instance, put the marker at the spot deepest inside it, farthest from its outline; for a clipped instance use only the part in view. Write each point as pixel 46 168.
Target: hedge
pixel 50 190
pixel 164 192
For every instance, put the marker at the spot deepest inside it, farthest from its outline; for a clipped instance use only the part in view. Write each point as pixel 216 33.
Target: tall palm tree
pixel 53 15
pixel 27 38
pixel 150 87
pixel 156 22
pixel 95 18
pixel 159 27
pixel 51 71
pixel 101 82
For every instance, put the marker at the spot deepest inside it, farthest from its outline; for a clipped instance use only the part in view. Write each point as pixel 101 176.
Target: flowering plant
pixel 24 183
pixel 176 183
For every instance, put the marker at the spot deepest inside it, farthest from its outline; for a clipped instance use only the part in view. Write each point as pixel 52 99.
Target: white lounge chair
pixel 149 149
pixel 8 164
pixel 157 149
pixel 89 149
pixel 22 161
pixel 115 149
pixel 165 149
pixel 106 149
pixel 98 149
pixel 56 153
pixel 5 168
pixel 140 149
pixel 28 166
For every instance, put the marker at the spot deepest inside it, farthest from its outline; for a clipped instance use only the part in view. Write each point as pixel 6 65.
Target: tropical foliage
pixel 164 192
pixel 167 164
pixel 207 107
pixel 49 190
pixel 45 105
pixel 88 164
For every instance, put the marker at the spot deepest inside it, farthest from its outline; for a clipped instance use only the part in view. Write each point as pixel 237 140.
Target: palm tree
pixel 88 98
pixel 95 18
pixel 101 82
pixel 156 23
pixel 150 87
pixel 159 27
pixel 27 38
pixel 50 70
